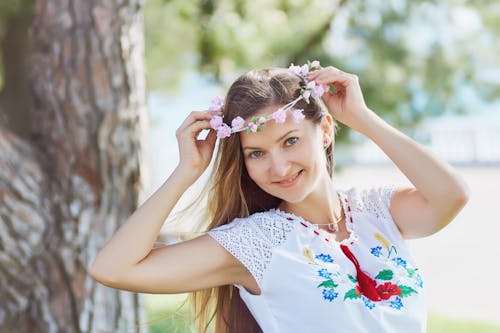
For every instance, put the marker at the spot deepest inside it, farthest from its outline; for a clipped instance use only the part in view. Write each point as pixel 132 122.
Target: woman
pixel 302 255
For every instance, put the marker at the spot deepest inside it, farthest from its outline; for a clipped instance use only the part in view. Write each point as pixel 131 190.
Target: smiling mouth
pixel 290 180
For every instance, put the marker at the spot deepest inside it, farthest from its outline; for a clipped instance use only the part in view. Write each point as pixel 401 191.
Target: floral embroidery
pixel 391 284
pixel 368 303
pixel 396 303
pixel 329 294
pixel 386 290
pixel 400 262
pixel 324 257
pixel 376 251
pixel 324 273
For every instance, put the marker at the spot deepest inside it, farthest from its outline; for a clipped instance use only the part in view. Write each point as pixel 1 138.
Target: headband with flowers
pixel 312 89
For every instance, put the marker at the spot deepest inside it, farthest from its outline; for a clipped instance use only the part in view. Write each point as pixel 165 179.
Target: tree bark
pixel 66 187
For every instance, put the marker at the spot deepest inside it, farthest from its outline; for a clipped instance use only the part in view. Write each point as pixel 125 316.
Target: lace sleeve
pixel 376 200
pixel 252 239
pixel 244 242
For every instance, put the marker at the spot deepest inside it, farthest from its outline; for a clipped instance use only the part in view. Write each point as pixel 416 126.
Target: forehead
pixel 272 131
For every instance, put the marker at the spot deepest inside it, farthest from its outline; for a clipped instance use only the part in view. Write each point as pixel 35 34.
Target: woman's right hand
pixel 194 154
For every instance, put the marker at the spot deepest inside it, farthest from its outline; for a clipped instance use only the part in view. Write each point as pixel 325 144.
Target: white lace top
pixel 309 282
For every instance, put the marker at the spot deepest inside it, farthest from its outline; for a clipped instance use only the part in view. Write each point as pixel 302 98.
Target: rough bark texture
pixel 68 186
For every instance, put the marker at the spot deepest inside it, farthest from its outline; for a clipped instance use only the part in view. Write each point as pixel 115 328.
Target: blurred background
pixel 429 68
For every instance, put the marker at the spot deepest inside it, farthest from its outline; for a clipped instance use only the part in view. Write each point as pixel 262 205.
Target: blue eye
pixel 255 154
pixel 288 142
pixel 292 140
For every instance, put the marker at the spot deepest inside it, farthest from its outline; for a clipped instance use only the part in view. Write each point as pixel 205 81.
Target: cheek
pixel 253 171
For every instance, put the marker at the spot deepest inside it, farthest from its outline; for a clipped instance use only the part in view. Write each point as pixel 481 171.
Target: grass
pixel 439 324
pixel 161 306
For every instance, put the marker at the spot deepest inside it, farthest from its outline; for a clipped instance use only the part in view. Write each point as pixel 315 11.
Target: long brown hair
pixel 232 193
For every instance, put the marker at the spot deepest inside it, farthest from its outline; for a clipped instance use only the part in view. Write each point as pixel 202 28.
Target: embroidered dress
pixel 309 282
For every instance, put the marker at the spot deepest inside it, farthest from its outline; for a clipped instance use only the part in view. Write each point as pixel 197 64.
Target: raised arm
pixel 439 193
pixel 128 261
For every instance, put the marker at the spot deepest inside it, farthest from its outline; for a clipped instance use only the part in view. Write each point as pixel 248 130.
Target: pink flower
pixel 279 116
pixel 217 104
pixel 262 120
pixel 297 115
pixel 253 127
pixel 295 69
pixel 318 91
pixel 223 131
pixel 306 94
pixel 315 64
pixel 304 70
pixel 311 85
pixel 237 123
pixel 216 122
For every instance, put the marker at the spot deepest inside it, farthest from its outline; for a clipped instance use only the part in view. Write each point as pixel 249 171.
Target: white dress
pixel 309 282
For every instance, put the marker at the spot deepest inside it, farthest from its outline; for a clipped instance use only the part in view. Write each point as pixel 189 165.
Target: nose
pixel 279 166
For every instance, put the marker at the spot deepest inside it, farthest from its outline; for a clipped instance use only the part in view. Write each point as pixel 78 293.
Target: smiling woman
pixel 285 249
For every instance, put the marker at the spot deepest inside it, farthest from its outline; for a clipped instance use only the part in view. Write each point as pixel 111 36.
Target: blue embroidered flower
pixel 376 251
pixel 329 294
pixel 400 261
pixel 324 273
pixel 368 303
pixel 324 257
pixel 396 303
pixel 420 283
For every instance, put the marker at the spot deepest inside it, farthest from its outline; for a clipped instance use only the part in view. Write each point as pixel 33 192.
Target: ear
pixel 327 128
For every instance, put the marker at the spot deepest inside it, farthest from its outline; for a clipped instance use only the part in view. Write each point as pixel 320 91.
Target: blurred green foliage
pixel 415 59
pixel 15 7
pixel 10 9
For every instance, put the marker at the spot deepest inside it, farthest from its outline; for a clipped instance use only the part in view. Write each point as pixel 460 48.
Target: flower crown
pixel 312 89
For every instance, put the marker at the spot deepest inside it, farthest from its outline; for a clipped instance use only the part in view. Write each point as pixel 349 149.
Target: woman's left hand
pixel 347 104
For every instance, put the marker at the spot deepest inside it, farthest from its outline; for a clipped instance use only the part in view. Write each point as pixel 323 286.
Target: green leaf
pixel 406 291
pixel 328 284
pixel 352 279
pixel 351 294
pixel 411 271
pixel 386 274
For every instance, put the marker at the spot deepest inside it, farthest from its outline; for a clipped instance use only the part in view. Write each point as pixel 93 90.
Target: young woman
pixel 286 250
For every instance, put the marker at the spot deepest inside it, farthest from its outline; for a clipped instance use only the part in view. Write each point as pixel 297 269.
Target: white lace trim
pixel 350 225
pixel 376 200
pixel 252 239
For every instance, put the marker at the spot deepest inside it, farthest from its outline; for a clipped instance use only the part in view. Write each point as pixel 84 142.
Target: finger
pixel 313 73
pixel 195 116
pixel 332 76
pixel 193 130
pixel 211 139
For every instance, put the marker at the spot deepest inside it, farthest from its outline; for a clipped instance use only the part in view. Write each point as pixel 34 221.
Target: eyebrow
pixel 294 130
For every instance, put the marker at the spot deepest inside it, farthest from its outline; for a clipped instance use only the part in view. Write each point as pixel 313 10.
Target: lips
pixel 290 180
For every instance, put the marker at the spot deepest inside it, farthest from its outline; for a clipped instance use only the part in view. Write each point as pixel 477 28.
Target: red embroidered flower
pixel 386 290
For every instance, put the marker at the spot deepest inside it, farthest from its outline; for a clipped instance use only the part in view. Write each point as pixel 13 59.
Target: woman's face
pixel 286 160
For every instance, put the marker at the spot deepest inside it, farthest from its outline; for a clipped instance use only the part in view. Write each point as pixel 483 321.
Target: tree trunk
pixel 66 187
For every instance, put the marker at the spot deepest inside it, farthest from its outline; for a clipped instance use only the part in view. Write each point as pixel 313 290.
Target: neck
pixel 322 207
